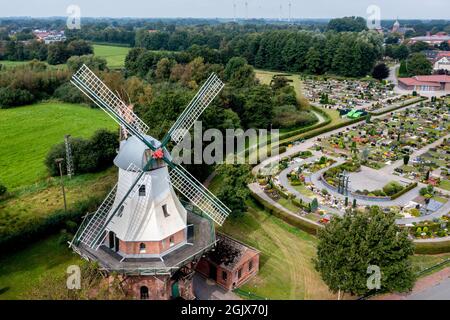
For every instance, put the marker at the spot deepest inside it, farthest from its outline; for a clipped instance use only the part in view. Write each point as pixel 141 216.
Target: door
pixel 116 244
pixel 111 240
pixel 213 272
pixel 175 290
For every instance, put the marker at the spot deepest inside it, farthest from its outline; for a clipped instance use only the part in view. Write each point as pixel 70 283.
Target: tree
pixel 57 53
pixel 406 160
pixel 349 245
pixel 353 24
pixel 234 191
pixel 403 70
pixel 381 71
pixel 418 64
pixel 163 69
pixel 95 63
pixel 314 205
pixel 258 108
pixel 401 52
pixel 419 46
pixel 238 73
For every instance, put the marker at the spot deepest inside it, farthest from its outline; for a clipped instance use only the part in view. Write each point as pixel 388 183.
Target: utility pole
pixel 59 162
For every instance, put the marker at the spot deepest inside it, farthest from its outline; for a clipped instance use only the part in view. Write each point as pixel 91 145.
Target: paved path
pixel 433 287
pixel 205 289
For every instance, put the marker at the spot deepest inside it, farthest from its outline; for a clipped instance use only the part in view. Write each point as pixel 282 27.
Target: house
pixel 442 61
pixel 234 272
pixel 425 83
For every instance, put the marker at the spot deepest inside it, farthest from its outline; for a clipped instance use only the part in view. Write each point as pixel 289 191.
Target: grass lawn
pixel 422 262
pixel 114 55
pixel 23 269
pixel 29 132
pixel 445 184
pixel 286 266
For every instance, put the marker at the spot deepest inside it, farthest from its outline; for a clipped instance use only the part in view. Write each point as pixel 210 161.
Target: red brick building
pixel 234 273
pixel 425 83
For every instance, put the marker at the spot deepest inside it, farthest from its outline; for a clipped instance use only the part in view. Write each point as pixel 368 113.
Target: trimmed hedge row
pixel 306 129
pixel 326 129
pixel 435 247
pixel 302 224
pixel 407 189
pixel 40 227
pixel 398 107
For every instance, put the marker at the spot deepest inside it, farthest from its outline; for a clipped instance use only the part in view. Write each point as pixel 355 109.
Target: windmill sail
pixel 94 231
pixel 193 111
pixel 88 83
pixel 201 197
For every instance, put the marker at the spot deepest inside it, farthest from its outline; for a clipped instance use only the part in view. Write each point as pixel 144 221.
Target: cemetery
pixel 337 93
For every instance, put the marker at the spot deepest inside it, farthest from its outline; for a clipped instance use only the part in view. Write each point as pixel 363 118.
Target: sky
pixel 404 9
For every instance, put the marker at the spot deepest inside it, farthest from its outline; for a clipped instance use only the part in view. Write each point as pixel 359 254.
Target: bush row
pixel 40 227
pixel 398 107
pixel 405 190
pixel 298 222
pixel 435 247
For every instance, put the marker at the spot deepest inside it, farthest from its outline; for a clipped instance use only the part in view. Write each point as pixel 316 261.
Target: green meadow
pixel 114 55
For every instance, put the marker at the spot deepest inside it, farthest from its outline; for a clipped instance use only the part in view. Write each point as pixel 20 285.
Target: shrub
pixel 3 189
pixel 392 188
pixel 15 97
pixel 90 155
pixel 289 117
pixel 67 92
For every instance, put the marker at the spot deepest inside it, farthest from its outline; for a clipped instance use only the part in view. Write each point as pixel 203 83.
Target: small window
pixel 120 211
pixel 144 293
pixel 239 273
pixel 172 241
pixel 250 265
pixel 164 208
pixel 142 248
pixel 142 191
pixel 224 276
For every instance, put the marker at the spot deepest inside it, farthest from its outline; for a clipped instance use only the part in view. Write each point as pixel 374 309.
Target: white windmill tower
pixel 142 229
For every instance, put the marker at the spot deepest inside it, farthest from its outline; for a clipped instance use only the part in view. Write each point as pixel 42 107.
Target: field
pixel 22 270
pixel 29 132
pixel 114 55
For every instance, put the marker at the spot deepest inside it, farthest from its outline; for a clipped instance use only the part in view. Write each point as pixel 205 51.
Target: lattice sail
pixel 96 224
pixel 193 111
pixel 88 83
pixel 201 197
pixel 94 232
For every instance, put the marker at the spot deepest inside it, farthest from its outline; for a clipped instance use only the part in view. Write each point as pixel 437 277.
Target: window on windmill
pixel 172 241
pixel 142 191
pixel 250 265
pixel 239 273
pixel 144 293
pixel 142 248
pixel 120 212
pixel 164 208
pixel 224 276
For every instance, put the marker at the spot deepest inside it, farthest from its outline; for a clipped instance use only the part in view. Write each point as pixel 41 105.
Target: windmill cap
pixel 132 151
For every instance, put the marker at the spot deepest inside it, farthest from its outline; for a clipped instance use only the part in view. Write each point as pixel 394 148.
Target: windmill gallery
pixel 143 231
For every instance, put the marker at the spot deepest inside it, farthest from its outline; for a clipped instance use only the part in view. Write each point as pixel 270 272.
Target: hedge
pixel 398 107
pixel 298 222
pixel 402 192
pixel 435 247
pixel 40 227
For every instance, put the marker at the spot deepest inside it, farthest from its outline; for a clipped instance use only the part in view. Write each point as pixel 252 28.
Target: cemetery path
pixel 393 74
pixel 284 181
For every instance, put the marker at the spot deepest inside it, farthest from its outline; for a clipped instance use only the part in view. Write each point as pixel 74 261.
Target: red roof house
pixel 426 83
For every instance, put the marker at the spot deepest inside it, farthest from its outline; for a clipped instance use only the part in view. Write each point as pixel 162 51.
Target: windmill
pixel 142 218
